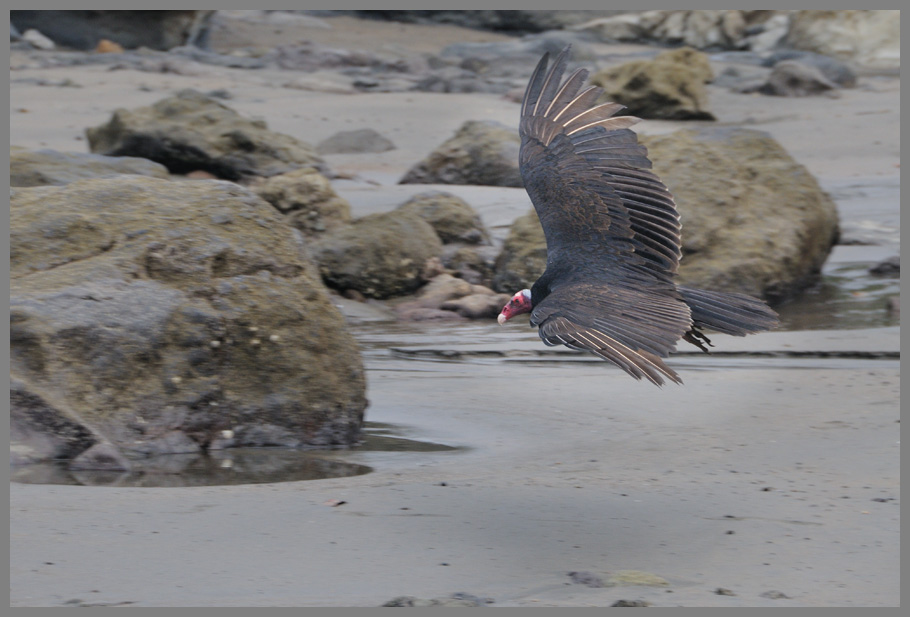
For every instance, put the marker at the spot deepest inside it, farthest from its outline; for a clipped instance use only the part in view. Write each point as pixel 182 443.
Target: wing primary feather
pixel 551 81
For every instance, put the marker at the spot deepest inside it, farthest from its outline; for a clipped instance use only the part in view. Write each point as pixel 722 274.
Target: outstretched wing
pixel 630 325
pixel 589 178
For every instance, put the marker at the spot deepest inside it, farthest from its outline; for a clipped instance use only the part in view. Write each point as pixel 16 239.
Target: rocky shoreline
pixel 238 245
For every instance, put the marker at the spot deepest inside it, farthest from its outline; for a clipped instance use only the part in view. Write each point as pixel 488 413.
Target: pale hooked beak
pixel 501 319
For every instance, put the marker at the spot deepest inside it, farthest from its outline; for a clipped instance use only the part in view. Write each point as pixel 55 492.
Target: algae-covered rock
pixel 150 313
pixel 191 131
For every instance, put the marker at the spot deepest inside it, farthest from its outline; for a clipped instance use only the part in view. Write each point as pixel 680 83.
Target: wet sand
pixel 770 473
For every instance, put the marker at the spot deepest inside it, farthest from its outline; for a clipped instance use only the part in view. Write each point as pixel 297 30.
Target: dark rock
pixel 792 78
pixel 307 197
pixel 484 153
pixel 473 263
pixel 631 603
pixel 191 131
pixel 586 578
pixel 380 255
pixel 155 315
pixel 506 21
pixel 453 218
pixel 832 68
pixel 43 167
pixel 101 457
pixel 355 142
pixel 669 87
pixel 160 30
pixel 456 599
pixel 887 267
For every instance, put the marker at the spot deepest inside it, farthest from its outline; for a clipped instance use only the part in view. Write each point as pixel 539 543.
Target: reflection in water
pixel 846 298
pixel 238 466
pixel 232 466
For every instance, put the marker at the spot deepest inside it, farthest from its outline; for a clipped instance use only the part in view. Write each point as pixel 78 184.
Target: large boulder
pixel 191 131
pixel 160 30
pixel 44 167
pixel 754 220
pixel 150 316
pixel 869 39
pixel 307 198
pixel 452 217
pixel 378 255
pixel 480 152
pixel 669 87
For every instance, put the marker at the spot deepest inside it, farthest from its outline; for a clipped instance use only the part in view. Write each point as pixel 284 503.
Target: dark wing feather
pixel 627 325
pixel 589 178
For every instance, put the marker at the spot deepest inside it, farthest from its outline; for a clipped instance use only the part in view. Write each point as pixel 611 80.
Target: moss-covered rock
pixel 669 87
pixel 307 198
pixel 379 255
pixel 453 218
pixel 484 153
pixel 50 167
pixel 191 131
pixel 754 220
pixel 152 313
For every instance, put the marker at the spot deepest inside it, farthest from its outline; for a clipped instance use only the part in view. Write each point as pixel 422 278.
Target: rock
pixel 792 78
pixel 191 131
pixel 774 595
pixel 754 220
pixel 832 68
pixel 717 29
pixel 456 599
pixel 453 218
pixel 480 152
pixel 524 255
pixel 445 293
pixel 588 579
pixel 355 142
pixel 507 21
pixel 669 87
pixel 307 197
pixel 440 289
pixel 102 456
pixel 42 167
pixel 380 255
pixel 887 267
pixel 477 306
pixel 472 263
pixel 105 46
pixel 631 603
pixel 159 30
pixel 38 40
pixel 869 39
pixel 155 315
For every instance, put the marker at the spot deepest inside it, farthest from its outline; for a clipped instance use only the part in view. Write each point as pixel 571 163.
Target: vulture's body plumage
pixel 613 237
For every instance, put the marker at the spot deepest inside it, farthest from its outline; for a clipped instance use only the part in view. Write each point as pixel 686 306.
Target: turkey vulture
pixel 613 237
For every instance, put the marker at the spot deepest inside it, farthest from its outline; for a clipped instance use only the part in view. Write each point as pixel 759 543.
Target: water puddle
pixel 236 465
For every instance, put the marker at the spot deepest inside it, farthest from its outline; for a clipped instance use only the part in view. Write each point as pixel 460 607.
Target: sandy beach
pixel 771 478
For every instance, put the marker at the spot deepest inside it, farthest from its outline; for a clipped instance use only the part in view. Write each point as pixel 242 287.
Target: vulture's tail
pixel 729 313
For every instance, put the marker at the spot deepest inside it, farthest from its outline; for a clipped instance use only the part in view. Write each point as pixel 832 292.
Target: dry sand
pixel 768 477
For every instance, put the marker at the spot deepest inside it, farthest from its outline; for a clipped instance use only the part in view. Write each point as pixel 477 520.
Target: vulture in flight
pixel 613 237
